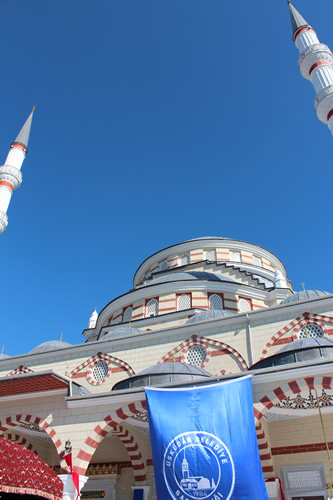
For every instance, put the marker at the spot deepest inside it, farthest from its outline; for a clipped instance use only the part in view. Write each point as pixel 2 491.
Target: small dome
pixel 306 343
pixel 186 276
pixel 299 351
pixel 304 295
pixel 51 345
pixel 208 315
pixel 163 373
pixel 120 332
pixel 3 355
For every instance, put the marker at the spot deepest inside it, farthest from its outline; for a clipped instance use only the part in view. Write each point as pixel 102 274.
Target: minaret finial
pixel 61 337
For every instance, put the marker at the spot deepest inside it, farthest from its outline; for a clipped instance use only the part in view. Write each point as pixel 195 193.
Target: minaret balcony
pixel 3 221
pixel 324 103
pixel 312 55
pixel 12 175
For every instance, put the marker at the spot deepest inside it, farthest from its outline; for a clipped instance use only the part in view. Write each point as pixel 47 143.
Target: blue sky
pixel 156 122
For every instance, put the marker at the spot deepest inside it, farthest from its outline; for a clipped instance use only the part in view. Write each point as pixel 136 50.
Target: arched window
pixel 100 371
pixel 127 315
pixel 211 255
pixel 151 308
pixel 311 330
pixel 184 259
pixel 196 355
pixel 183 302
pixel 163 265
pixel 244 305
pixel 215 302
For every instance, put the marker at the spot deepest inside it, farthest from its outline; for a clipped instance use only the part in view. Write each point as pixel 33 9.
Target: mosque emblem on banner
pixel 198 465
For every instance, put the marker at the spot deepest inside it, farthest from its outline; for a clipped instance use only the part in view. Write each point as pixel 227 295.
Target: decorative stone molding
pixel 311 55
pixel 306 403
pixel 12 175
pixel 3 221
pixel 102 469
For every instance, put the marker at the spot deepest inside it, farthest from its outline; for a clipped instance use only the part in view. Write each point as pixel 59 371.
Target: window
pixel 183 302
pixel 211 255
pixel 215 302
pixel 100 371
pixel 163 265
pixel 184 259
pixel 257 261
pixel 244 305
pixel 235 256
pixel 311 330
pixel 196 355
pixel 127 315
pixel 151 308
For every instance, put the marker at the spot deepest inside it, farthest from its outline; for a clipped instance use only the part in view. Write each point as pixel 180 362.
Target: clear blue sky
pixel 156 121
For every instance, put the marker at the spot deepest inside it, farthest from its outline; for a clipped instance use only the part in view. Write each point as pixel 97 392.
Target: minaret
pixel 10 172
pixel 316 65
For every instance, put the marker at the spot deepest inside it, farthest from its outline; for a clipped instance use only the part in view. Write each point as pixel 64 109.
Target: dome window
pixel 311 330
pixel 211 255
pixel 183 302
pixel 196 355
pixel 127 315
pixel 163 265
pixel 244 305
pixel 151 308
pixel 100 372
pixel 184 259
pixel 215 302
pixel 235 256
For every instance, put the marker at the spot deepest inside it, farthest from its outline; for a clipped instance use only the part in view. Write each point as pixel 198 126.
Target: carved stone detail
pixel 306 403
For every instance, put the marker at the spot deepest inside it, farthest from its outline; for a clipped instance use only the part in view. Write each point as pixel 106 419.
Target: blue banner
pixel 204 442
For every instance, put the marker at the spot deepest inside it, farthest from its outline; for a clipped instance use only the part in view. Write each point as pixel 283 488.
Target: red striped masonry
pixel 44 424
pixel 112 424
pixel 300 30
pixel 18 371
pixel 294 326
pixel 301 448
pixel 205 342
pixel 319 63
pixel 110 360
pixel 7 184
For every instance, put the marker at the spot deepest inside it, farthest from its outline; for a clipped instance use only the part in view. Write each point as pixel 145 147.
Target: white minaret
pixel 316 65
pixel 10 172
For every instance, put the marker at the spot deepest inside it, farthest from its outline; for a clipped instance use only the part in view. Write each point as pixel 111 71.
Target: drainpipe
pixel 250 352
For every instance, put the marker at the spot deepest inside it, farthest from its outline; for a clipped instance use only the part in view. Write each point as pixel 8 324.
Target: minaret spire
pixel 316 65
pixel 10 172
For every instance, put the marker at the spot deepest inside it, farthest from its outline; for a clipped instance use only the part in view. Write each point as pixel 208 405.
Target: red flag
pixel 75 475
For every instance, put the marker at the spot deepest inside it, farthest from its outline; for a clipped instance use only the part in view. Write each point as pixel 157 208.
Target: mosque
pixel 198 311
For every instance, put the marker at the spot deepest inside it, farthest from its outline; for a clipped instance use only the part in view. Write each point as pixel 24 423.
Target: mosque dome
pixel 299 351
pixel 208 315
pixel 191 275
pixel 304 295
pixel 51 345
pixel 3 355
pixel 163 373
pixel 121 331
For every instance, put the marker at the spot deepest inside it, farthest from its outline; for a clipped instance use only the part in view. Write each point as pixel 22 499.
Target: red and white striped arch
pixel 325 322
pixel 89 364
pixel 18 371
pixel 16 438
pixel 111 424
pixel 179 352
pixel 44 424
